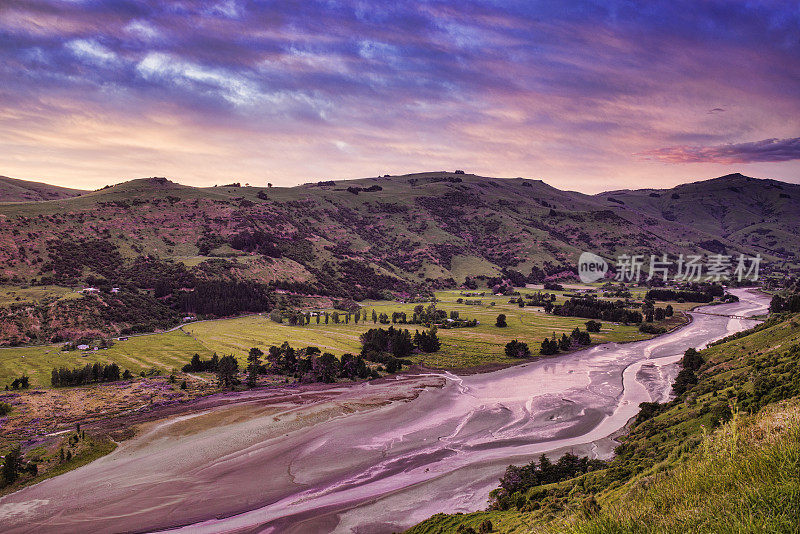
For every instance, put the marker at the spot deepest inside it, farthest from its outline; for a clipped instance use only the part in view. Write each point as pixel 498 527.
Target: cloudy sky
pixel 584 95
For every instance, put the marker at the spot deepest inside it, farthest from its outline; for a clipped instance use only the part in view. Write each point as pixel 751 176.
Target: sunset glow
pixel 584 95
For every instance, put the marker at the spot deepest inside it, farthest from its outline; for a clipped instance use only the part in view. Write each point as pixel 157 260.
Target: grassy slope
pixel 14 190
pixel 462 347
pixel 47 458
pixel 745 210
pixel 668 478
pixel 162 351
pixel 742 478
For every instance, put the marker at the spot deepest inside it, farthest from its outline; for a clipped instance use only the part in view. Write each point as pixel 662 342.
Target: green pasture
pixel 461 347
pixel 163 351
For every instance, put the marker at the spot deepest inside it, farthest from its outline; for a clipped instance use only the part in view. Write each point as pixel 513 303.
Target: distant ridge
pixel 15 190
pixel 371 238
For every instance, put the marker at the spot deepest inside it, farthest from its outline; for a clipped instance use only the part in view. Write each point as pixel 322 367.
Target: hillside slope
pixel 434 228
pixel 760 214
pixel 159 241
pixel 14 190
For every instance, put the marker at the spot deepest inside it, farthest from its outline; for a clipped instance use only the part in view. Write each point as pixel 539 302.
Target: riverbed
pixel 373 458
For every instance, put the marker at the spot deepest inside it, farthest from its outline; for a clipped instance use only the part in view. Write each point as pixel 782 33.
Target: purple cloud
pixel 535 88
pixel 756 151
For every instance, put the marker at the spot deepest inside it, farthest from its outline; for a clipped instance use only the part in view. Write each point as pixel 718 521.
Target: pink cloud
pixel 766 150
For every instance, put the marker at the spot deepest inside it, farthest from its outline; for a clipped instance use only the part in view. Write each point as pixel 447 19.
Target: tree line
pixel 310 364
pixel 787 303
pixel 516 481
pixel 555 344
pixel 377 344
pixel 680 295
pixel 592 308
pixel 89 374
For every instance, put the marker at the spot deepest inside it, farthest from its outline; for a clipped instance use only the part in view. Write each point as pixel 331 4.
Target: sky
pixel 585 95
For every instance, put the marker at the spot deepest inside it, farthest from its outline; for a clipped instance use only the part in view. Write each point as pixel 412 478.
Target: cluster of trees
pixel 377 343
pixel 592 308
pixel 553 286
pixel 223 298
pixel 690 364
pixel 226 368
pixel 256 241
pixel 384 346
pixel 648 328
pixel 311 365
pixel 518 480
pixel 789 303
pixel 555 344
pixel 422 315
pixel 427 340
pixel 429 316
pixel 308 364
pixel 300 318
pixel 358 281
pixel 164 277
pixel 69 258
pixel 14 465
pixel 652 313
pixel 89 374
pixel 545 300
pixel 356 190
pixel 228 371
pixel 679 295
pixel 198 365
pixel 22 382
pixel 517 349
pixel 593 326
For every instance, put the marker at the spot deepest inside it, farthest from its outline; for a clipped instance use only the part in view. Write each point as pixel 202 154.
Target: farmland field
pixel 462 348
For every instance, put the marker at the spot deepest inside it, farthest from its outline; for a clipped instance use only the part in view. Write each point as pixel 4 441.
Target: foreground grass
pixel 745 477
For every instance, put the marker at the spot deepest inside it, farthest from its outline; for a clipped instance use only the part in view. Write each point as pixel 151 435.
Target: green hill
pixel 14 190
pixel 368 238
pixel 759 214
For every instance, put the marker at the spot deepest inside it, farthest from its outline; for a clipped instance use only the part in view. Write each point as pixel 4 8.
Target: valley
pixel 471 427
pixel 403 434
pixel 399 267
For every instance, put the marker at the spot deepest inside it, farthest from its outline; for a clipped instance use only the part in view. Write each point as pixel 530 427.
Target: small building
pixel 90 290
pixel 83 347
pixel 115 290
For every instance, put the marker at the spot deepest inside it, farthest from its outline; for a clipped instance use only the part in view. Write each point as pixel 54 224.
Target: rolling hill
pixel 760 214
pixel 14 190
pixel 369 238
